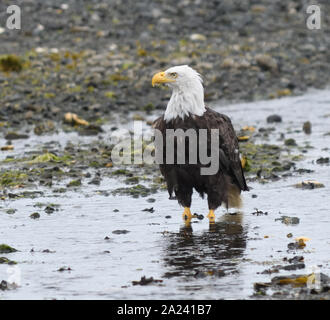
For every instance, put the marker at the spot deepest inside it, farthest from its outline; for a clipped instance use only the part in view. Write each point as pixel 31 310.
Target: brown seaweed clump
pixel 11 63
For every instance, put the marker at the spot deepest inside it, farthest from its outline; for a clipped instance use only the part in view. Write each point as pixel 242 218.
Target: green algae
pixel 74 183
pixel 135 191
pixel 4 260
pixel 50 157
pixel 5 248
pixel 10 178
pixel 121 172
pixel 265 160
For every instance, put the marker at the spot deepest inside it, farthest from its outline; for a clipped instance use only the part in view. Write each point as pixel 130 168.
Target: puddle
pixel 194 263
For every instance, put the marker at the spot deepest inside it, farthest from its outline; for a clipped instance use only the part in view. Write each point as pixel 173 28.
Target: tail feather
pixel 234 198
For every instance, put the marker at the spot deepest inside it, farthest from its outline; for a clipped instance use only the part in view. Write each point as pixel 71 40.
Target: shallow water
pixel 187 259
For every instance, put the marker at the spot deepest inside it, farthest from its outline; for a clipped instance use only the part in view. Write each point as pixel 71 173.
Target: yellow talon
pixel 187 216
pixel 211 216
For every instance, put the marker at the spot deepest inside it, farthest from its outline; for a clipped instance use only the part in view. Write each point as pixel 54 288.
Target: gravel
pixel 95 58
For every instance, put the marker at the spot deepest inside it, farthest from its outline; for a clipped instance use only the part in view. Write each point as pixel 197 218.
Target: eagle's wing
pixel 228 142
pixel 159 123
pixel 229 149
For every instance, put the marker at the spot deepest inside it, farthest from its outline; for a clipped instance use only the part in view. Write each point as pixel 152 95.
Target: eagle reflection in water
pixel 214 252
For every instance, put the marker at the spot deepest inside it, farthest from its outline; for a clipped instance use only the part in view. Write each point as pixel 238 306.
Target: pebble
pixel 266 62
pixel 274 118
pixel 307 127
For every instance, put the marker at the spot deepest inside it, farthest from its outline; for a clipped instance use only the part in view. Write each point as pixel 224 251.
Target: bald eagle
pixel 186 110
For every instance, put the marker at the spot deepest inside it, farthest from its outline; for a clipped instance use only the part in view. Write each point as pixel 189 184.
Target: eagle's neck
pixel 185 102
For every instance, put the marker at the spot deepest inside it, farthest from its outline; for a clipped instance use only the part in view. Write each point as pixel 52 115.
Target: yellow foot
pixel 187 223
pixel 211 216
pixel 187 216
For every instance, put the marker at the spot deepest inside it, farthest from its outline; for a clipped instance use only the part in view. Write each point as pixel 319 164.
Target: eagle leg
pixel 187 216
pixel 211 216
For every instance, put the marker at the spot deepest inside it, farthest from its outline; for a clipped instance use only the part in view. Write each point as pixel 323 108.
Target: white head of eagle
pixel 187 92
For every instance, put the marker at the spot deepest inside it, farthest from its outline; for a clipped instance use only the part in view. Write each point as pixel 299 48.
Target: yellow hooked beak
pixel 160 77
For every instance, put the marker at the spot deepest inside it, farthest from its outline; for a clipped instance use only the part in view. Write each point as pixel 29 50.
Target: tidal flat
pixel 84 229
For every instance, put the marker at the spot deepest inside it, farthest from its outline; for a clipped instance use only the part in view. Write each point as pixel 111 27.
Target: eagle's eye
pixel 173 75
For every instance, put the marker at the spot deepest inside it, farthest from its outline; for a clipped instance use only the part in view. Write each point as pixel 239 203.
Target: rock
pixel 96 181
pixel 49 209
pixel 120 231
pixel 260 287
pixel 198 216
pixel 266 62
pixel 307 127
pixel 296 245
pixel 42 128
pixel 15 136
pixel 156 13
pixel 259 212
pixel 274 118
pixel 288 220
pixel 258 8
pixel 47 251
pixel 35 215
pixel 197 37
pixel 91 130
pixel 145 281
pixel 323 160
pixel 308 47
pixel 290 142
pixel 309 184
pixel 64 269
pixel 296 259
pixel 3 285
pixel 228 63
